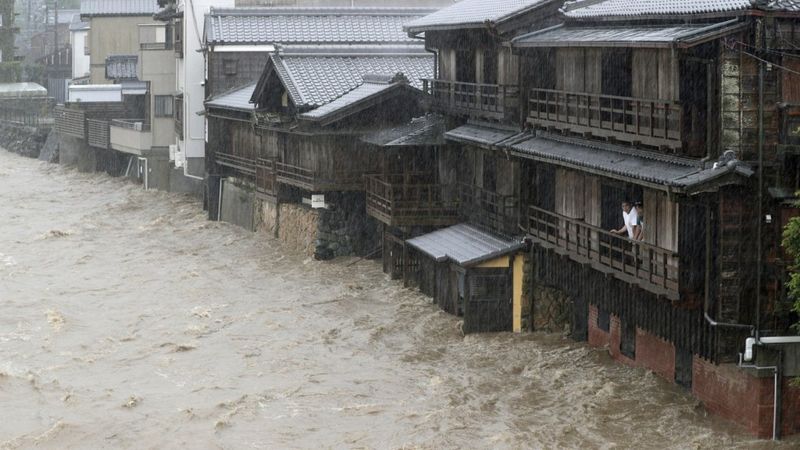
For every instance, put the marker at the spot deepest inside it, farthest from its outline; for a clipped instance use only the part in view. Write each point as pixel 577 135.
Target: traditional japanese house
pixel 677 106
pixel 473 182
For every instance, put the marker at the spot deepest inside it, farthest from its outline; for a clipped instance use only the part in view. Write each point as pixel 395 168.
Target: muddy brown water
pixel 129 321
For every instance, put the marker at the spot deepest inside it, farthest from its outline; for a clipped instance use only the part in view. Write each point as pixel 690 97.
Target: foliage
pixel 791 243
pixel 34 73
pixel 10 72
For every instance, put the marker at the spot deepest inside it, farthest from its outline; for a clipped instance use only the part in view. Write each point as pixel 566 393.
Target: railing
pixel 654 267
pixel 651 122
pixel 245 165
pixel 19 116
pixel 265 176
pixel 410 199
pixel 131 124
pixel 70 122
pixel 488 208
pixel 98 133
pixel 154 37
pixel 314 180
pixel 484 100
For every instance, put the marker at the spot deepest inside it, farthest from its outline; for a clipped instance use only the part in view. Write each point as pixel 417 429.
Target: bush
pixel 791 243
pixel 10 72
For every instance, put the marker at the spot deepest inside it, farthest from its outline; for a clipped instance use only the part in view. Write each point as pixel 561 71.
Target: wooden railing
pixel 482 100
pixel 315 180
pixel 244 165
pixel 650 122
pixel 265 176
pixel 70 122
pixel 98 133
pixel 488 208
pixel 653 267
pixel 410 199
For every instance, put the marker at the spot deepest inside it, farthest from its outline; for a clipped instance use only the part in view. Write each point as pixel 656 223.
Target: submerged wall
pixel 23 140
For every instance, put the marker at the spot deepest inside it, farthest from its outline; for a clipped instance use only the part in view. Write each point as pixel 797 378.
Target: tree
pixel 791 243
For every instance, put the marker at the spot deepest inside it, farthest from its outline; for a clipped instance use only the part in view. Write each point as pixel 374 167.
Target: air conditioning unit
pixel 137 126
pixel 173 149
pixel 179 159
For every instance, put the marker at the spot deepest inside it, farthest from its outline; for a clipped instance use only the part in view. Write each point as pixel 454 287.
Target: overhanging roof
pixel 666 36
pixel 421 131
pixel 473 14
pixel 464 245
pixel 480 134
pixel 668 173
pixel 644 9
pixel 237 100
pixel 94 8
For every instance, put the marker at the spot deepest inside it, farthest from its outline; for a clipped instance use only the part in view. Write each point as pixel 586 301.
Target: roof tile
pixel 473 13
pixel 118 7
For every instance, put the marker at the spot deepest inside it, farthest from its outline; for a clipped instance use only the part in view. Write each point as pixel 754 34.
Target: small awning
pixel 464 245
pixel 422 131
pixel 237 100
pixel 657 171
pixel 134 87
pixel 480 134
pixel 664 36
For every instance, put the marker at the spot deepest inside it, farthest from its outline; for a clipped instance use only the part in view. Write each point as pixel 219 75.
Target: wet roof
pixel 310 25
pixel 323 75
pixel 373 86
pixel 463 244
pixel 92 8
pixel 16 90
pixel 238 100
pixel 122 67
pixel 683 35
pixel 580 9
pixel 672 173
pixel 421 131
pixel 473 14
pixel 480 134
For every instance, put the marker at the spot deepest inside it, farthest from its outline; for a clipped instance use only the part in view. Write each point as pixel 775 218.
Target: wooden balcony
pixel 656 123
pixel 410 199
pixel 245 166
pixel 487 101
pixel 265 178
pixel 98 134
pixel 652 268
pixel 313 180
pixel 489 209
pixel 70 122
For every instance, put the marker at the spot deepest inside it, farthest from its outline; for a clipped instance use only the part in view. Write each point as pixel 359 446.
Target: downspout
pixel 759 244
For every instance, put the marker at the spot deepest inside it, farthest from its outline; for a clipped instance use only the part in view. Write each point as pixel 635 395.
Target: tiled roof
pixel 480 134
pixel 78 26
pixel 309 25
pixel 121 67
pixel 90 8
pixel 373 86
pixel 625 36
pixel 679 174
pixel 237 100
pixel 421 131
pixel 315 79
pixel 579 9
pixel 463 244
pixel 473 13
pixel 16 90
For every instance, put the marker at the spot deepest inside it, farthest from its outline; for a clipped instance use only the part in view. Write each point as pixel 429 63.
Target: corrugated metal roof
pixel 421 131
pixel 473 13
pixel 309 25
pixel 122 67
pixel 613 161
pixel 91 8
pixel 479 134
pixel 236 100
pixel 625 36
pixel 361 93
pixel 580 9
pixel 315 80
pixel 463 244
pixel 17 90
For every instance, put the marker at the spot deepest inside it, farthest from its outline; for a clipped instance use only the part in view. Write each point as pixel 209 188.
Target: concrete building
pixel 78 37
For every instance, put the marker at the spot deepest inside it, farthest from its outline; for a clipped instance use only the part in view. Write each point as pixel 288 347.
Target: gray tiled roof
pixel 480 134
pixel 78 26
pixel 91 8
pixel 237 100
pixel 421 131
pixel 316 79
pixel 367 90
pixel 121 67
pixel 633 8
pixel 624 36
pixel 309 25
pixel 473 13
pixel 679 174
pixel 463 244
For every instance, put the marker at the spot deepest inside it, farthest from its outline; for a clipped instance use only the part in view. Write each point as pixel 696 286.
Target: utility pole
pixel 55 27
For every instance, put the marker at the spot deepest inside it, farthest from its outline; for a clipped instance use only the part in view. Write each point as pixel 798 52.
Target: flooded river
pixel 129 321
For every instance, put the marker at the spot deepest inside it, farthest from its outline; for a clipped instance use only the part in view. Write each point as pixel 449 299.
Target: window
pixel 163 106
pixel 603 320
pixel 229 66
pixel 178 115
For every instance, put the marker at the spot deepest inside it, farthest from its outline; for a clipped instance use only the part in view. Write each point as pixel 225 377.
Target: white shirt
pixel 630 219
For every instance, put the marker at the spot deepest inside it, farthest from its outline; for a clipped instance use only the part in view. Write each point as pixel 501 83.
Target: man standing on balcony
pixel 630 220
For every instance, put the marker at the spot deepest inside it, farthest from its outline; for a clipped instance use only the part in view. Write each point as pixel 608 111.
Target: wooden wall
pixel 248 67
pixel 655 74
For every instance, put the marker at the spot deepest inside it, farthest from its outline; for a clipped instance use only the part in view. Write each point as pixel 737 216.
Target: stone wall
pixel 551 309
pixel 23 140
pixel 344 227
pixel 298 226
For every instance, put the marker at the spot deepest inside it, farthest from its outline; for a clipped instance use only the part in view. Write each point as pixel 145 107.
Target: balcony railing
pixel 246 166
pixel 98 134
pixel 651 122
pixel 154 37
pixel 131 124
pixel 315 180
pixel 265 177
pixel 489 209
pixel 70 122
pixel 652 267
pixel 410 199
pixel 478 100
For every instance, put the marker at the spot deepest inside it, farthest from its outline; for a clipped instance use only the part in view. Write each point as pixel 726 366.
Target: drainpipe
pixel 748 356
pixel 759 244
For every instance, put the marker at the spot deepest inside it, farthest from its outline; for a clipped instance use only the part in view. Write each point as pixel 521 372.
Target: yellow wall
pixel 519 264
pixel 497 263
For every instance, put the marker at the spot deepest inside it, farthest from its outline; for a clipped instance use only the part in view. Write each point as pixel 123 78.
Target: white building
pixel 78 33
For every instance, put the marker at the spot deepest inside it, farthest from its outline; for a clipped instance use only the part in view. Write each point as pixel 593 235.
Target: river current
pixel 127 320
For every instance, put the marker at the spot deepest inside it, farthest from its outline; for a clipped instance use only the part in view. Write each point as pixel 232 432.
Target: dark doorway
pixel 683 367
pixel 603 320
pixel 580 319
pixel 617 73
pixel 627 344
pixel 465 66
pixel 488 305
pixel 489 67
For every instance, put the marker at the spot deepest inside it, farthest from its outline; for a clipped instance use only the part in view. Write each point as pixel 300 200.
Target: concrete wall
pixel 112 36
pixel 80 61
pixel 237 205
pixel 158 67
